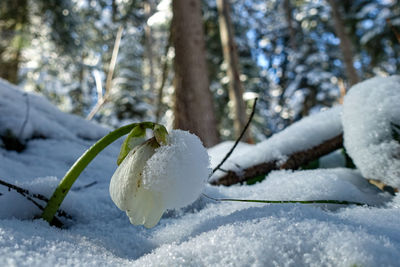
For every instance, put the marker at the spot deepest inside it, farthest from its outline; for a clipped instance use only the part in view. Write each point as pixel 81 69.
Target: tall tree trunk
pixel 77 94
pixel 232 59
pixel 164 76
pixel 287 7
pixel 13 20
pixel 193 110
pixel 345 43
pixel 148 40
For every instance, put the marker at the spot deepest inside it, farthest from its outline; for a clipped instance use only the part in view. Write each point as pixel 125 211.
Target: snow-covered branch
pixel 294 161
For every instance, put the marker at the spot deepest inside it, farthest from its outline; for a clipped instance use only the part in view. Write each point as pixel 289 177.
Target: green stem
pixel 340 202
pixel 70 177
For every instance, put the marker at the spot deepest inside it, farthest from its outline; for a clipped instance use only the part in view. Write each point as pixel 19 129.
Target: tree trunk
pixel 164 76
pixel 148 40
pixel 193 110
pixel 13 20
pixel 232 59
pixel 289 20
pixel 345 43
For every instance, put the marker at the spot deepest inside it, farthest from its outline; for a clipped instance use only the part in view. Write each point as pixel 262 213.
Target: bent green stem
pixel 340 202
pixel 73 173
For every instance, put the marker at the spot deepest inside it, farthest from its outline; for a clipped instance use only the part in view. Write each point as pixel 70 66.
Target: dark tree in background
pixel 231 58
pixel 194 109
pixel 13 36
pixel 345 43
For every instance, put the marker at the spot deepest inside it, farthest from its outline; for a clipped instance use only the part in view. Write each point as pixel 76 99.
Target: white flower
pixel 153 178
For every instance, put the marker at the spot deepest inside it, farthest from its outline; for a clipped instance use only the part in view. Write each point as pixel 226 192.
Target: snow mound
pixel 32 116
pixel 369 111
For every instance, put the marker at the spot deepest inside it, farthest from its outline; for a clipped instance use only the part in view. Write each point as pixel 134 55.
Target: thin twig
pixel 30 196
pixel 102 100
pixel 84 187
pixel 340 202
pixel 24 191
pixel 240 137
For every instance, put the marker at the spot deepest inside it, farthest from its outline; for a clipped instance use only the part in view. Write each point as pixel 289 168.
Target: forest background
pixel 197 65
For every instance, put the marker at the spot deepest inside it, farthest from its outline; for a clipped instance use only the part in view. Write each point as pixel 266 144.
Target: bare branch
pixel 294 161
pixel 101 100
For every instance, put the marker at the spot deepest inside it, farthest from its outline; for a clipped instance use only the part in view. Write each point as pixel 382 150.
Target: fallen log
pixel 294 161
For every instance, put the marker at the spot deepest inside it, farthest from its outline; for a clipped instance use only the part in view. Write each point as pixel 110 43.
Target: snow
pixel 207 233
pixel 43 119
pixel 369 110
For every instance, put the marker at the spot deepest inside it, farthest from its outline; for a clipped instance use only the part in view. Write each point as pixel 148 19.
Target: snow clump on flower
pixel 179 170
pixel 371 128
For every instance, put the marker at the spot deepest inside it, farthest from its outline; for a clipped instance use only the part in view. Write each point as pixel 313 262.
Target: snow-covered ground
pixel 207 233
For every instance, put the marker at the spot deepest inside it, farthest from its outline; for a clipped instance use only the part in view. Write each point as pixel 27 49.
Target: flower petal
pixel 155 212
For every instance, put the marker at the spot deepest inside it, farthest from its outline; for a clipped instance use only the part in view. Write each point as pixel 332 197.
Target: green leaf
pixel 135 137
pixel 161 134
pixel 138 135
pixel 311 165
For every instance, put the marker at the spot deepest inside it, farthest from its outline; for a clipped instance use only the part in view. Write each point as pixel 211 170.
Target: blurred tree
pixel 14 19
pixel 231 58
pixel 289 22
pixel 194 110
pixel 376 44
pixel 149 7
pixel 346 45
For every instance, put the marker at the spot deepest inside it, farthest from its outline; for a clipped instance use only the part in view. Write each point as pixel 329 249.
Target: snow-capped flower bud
pixel 371 128
pixel 165 172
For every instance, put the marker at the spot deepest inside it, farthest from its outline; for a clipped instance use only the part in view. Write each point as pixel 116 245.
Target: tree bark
pixel 164 76
pixel 13 20
pixel 287 7
pixel 232 59
pixel 345 43
pixel 294 161
pixel 148 40
pixel 193 109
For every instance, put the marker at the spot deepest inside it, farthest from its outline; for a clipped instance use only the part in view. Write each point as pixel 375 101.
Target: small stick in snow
pixel 84 187
pixel 23 191
pixel 240 137
pixel 28 195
